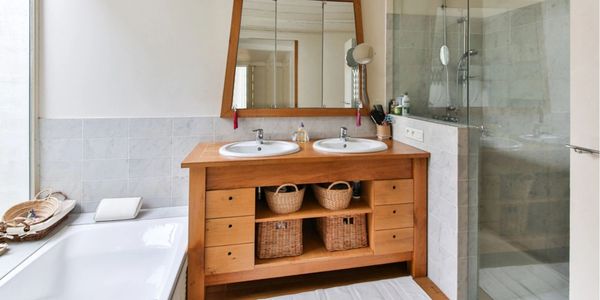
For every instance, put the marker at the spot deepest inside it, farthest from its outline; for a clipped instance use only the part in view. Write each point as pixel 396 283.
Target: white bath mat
pixel 403 288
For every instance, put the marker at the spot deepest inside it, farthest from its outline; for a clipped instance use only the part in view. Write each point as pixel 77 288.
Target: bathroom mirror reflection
pixel 290 55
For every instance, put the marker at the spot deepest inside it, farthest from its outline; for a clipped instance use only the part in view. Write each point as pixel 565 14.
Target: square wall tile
pixel 150 148
pixel 60 128
pixel 105 148
pixel 61 150
pixel 96 190
pixel 200 126
pixel 105 169
pixel 105 128
pixel 150 128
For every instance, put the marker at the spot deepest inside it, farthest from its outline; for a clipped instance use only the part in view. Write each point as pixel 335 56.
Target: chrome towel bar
pixel 579 149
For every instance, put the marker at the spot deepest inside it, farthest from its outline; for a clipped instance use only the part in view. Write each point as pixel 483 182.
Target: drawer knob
pixel 393 187
pixel 394 236
pixel 228 253
pixel 230 198
pixel 394 211
pixel 230 226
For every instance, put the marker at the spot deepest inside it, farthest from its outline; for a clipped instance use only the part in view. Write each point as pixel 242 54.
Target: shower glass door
pixel 518 112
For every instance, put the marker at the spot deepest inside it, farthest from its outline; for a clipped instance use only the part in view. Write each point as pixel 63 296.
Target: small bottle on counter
pixel 398 108
pixel 405 104
pixel 391 105
pixel 301 135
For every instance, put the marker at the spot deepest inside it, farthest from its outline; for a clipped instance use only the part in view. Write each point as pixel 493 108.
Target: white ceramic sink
pixel 352 145
pixel 254 149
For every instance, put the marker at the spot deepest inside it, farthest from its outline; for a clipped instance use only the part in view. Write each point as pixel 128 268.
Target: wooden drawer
pixel 393 216
pixel 393 241
pixel 229 231
pixel 225 259
pixel 229 203
pixel 392 191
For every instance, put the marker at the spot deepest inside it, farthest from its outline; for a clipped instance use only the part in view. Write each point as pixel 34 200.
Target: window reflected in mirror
pixel 292 54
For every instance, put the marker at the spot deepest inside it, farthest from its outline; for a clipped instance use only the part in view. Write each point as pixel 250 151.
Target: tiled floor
pixel 542 281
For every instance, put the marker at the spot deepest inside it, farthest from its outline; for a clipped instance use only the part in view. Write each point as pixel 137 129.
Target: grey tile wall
pixel 413 62
pixel 91 159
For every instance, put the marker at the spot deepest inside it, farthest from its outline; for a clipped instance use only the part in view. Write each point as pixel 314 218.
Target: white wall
pixel 143 58
pixel 584 273
pixel 14 102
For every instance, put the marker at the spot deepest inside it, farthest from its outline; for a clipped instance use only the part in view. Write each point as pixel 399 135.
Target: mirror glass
pixel 292 54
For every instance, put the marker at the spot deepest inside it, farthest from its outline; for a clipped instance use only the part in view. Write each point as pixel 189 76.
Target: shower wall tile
pixel 91 159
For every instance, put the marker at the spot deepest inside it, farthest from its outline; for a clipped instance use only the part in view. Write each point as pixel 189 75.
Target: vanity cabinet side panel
pixel 196 227
pixel 367 196
pixel 418 266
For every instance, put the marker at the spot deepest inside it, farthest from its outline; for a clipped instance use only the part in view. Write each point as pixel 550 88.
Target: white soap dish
pixel 114 209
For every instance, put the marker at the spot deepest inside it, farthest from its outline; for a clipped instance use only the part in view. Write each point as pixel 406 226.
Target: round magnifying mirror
pixel 444 55
pixel 363 54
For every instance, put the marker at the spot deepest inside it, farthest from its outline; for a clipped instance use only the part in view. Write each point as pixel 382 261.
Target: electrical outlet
pixel 414 134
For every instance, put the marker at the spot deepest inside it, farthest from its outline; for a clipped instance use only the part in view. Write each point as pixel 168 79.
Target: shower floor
pixel 542 281
pixel 519 275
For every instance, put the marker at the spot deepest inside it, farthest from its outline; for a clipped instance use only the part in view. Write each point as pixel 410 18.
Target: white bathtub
pixel 118 260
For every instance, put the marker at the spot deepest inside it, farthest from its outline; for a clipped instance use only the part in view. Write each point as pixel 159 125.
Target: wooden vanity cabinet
pixel 223 212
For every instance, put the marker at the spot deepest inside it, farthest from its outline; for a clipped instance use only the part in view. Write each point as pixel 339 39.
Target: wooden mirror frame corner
pixel 234 36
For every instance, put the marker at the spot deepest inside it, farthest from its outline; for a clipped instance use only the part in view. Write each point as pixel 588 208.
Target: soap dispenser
pixel 301 135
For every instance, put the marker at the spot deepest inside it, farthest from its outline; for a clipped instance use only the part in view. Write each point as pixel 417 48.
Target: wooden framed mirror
pixel 289 58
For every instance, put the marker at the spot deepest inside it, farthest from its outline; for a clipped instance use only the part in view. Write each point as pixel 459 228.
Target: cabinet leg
pixel 418 266
pixel 196 223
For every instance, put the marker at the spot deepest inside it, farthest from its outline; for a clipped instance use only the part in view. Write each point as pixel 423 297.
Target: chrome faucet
pixel 259 136
pixel 344 134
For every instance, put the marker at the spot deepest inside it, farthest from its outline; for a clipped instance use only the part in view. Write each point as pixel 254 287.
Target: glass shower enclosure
pixel 500 69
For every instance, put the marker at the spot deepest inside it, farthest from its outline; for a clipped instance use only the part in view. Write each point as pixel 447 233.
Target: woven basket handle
pixel 18 221
pixel 284 185
pixel 50 194
pixel 339 182
pixel 47 191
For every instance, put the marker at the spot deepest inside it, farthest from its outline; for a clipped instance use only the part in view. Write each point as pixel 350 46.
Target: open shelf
pixel 310 209
pixel 314 250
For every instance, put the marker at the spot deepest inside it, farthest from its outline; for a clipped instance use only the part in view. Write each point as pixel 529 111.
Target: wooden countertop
pixel 207 155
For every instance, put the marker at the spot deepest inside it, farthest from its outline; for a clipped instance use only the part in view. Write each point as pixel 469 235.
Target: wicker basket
pixel 283 202
pixel 279 239
pixel 343 232
pixel 333 198
pixel 34 211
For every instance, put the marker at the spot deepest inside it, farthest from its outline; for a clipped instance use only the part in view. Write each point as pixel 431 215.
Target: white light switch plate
pixel 413 134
